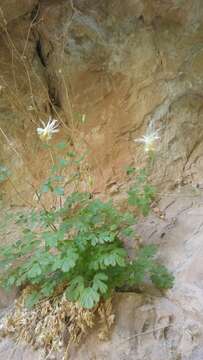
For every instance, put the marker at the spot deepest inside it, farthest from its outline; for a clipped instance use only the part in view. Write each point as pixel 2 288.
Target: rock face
pixel 128 66
pixel 11 351
pixel 162 327
pixel 151 325
pixel 13 9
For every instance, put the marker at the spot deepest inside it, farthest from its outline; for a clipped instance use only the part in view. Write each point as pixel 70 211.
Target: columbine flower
pixel 48 130
pixel 149 140
pixel 36 197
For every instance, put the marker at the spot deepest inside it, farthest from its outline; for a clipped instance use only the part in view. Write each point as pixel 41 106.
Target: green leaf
pixel 58 178
pixel 57 263
pixel 11 281
pixel 75 288
pixel 70 260
pixel 89 298
pixel 32 299
pixel 99 283
pixel 64 162
pixel 51 238
pixel 45 188
pixel 143 264
pixel 80 159
pixel 116 257
pixel 130 170
pixel 148 251
pixel 161 277
pixel 71 154
pixel 59 191
pixel 55 168
pixel 4 173
pixel 106 237
pixel 103 237
pixel 142 176
pixel 128 231
pixel 47 217
pixel 62 145
pixel 137 276
pixel 48 288
pixel 113 227
pixel 21 280
pixel 34 271
pixel 128 218
pixel 76 197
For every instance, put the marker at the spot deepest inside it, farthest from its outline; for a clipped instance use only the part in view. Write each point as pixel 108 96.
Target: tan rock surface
pixel 13 9
pixel 151 325
pixel 126 66
pixel 164 327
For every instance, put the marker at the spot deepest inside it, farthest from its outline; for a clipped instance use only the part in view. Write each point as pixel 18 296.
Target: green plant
pixel 76 248
pixel 4 173
pixel 141 193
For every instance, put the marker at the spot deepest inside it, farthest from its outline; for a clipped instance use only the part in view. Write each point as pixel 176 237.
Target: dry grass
pixel 53 325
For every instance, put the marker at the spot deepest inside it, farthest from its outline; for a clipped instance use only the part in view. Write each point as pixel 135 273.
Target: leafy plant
pixel 141 193
pixel 76 248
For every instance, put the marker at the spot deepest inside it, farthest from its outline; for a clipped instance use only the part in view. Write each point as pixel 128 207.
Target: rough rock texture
pixel 13 9
pixel 128 66
pixel 125 65
pixel 137 334
pixel 152 325
pixel 8 350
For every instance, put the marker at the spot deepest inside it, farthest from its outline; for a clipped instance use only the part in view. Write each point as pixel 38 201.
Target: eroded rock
pixel 125 66
pixel 154 325
pixel 13 9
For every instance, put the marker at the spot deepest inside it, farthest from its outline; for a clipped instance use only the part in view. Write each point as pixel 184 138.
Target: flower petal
pixel 40 130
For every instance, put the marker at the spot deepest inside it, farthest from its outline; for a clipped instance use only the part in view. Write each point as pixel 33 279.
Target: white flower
pixel 149 140
pixel 36 197
pixel 48 130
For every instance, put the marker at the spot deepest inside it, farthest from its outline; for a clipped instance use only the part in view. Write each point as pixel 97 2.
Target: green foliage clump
pixel 141 194
pixel 77 246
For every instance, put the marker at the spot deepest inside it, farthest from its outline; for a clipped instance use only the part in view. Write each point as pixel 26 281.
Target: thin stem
pixel 145 333
pixel 52 158
pixel 53 163
pixel 67 350
pixel 9 142
pixel 29 30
